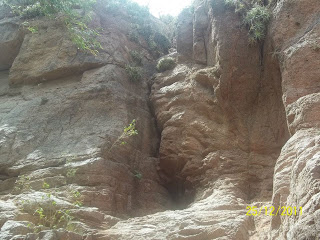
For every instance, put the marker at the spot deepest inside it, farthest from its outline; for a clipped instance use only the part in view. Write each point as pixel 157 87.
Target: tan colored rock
pixel 185 35
pixel 200 26
pixel 296 33
pixel 54 56
pixel 65 132
pixel 36 146
pixel 16 228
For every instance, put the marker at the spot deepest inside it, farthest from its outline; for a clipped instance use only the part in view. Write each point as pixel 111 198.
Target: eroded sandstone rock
pixel 296 33
pixel 65 132
pixel 214 150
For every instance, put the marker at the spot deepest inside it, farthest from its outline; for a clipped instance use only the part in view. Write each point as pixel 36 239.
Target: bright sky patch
pixel 163 7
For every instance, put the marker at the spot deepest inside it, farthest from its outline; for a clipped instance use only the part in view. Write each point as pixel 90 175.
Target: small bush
pixel 137 175
pixel 32 11
pixel 133 36
pixel 145 30
pixel 134 73
pixel 136 57
pixel 239 6
pixel 162 41
pixel 255 16
pixel 154 48
pixel 166 64
pixel 257 19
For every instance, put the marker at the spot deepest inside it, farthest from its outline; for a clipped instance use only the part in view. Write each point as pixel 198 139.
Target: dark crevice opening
pixel 180 194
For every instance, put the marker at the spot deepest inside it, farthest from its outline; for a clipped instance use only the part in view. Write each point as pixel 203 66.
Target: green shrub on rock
pixel 257 19
pixel 84 37
pixel 134 73
pixel 162 41
pixel 166 64
pixel 255 16
pixel 136 57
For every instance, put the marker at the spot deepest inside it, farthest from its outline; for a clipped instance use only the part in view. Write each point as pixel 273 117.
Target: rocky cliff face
pixel 61 113
pixel 230 126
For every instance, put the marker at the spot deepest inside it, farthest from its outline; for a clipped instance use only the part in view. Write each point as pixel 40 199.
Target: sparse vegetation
pixel 255 16
pixel 77 198
pixel 128 132
pixel 22 184
pixel 71 172
pixel 166 64
pixel 84 37
pixel 142 25
pixel 170 26
pixel 49 214
pixel 136 57
pixel 133 36
pixel 257 19
pixel 137 174
pixel 162 41
pixel 33 29
pixel 134 73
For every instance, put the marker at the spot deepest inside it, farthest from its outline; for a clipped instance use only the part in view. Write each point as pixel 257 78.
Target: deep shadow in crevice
pixel 180 195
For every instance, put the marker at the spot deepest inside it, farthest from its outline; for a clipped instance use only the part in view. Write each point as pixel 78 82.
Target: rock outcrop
pixel 62 113
pixel 232 125
pixel 296 36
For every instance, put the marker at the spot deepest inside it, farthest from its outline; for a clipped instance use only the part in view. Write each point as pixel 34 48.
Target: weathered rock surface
pixel 222 129
pixel 296 35
pixel 231 126
pixel 64 131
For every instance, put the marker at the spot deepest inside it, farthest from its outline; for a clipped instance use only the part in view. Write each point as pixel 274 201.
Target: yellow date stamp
pixel 272 211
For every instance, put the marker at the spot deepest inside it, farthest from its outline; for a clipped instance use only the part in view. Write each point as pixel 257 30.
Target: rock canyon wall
pixel 232 125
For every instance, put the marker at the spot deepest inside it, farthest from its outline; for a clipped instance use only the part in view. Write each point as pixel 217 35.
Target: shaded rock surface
pixel 10 41
pixel 231 126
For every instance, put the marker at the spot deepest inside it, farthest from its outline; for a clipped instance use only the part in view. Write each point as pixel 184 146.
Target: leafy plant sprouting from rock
pixel 22 184
pixel 128 132
pixel 137 175
pixel 166 64
pixel 84 37
pixel 255 16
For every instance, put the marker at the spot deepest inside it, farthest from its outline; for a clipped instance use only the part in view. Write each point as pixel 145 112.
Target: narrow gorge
pixel 233 124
